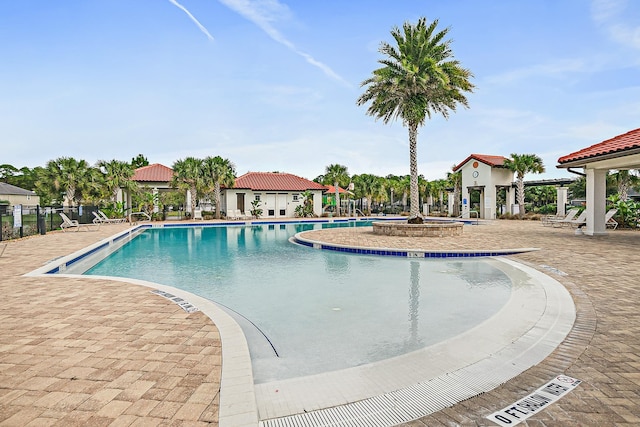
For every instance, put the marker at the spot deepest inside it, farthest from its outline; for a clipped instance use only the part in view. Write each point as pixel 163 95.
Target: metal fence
pixel 22 220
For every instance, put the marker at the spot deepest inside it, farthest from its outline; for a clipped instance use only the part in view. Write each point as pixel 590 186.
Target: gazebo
pixel 621 152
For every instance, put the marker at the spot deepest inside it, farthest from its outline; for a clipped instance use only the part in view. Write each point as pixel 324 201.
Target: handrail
pixel 477 216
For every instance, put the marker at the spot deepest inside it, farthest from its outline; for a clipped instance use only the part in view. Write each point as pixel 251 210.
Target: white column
pixel 450 202
pixel 464 207
pixel 596 202
pixel 187 202
pixel 561 201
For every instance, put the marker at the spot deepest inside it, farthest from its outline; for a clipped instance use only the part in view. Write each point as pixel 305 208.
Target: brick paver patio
pixel 100 352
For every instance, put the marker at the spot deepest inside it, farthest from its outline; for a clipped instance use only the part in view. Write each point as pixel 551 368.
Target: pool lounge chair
pixel 68 223
pixel 570 222
pixel 550 219
pixel 609 222
pixel 197 214
pixel 110 220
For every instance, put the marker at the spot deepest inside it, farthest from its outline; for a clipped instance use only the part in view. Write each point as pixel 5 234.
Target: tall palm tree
pixel 68 176
pixel 522 164
pixel 187 175
pixel 117 174
pixel 337 175
pixel 218 172
pixel 418 78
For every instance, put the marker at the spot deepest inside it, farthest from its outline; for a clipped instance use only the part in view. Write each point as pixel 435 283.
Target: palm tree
pixel 187 175
pixel 522 164
pixel 624 181
pixel 369 187
pixel 218 172
pixel 337 175
pixel 117 174
pixel 68 176
pixel 417 79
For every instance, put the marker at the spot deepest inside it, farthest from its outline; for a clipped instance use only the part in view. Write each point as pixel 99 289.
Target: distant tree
pixel 522 164
pixel 418 78
pixel 337 175
pixel 139 161
pixel 187 175
pixel 7 172
pixel 67 177
pixel 218 172
pixel 117 175
pixel 625 180
pixel 369 187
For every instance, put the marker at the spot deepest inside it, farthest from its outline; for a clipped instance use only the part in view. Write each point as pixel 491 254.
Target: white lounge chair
pixel 551 219
pixel 248 215
pixel 68 223
pixel 98 219
pixel 571 216
pixel 608 219
pixel 237 214
pixel 197 214
pixel 110 220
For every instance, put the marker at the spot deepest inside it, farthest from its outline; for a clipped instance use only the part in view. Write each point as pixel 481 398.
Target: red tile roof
pixel 493 161
pixel 332 190
pixel 153 173
pixel 275 181
pixel 617 144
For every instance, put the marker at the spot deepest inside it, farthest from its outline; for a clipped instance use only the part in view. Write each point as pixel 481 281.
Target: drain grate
pixel 185 305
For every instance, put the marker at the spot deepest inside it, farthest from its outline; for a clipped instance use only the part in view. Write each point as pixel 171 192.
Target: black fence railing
pixel 39 219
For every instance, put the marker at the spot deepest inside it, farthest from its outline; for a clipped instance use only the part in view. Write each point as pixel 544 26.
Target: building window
pixel 257 197
pixel 272 212
pixel 295 197
pixel 283 212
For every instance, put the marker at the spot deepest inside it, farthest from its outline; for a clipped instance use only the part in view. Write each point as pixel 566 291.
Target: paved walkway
pixel 100 352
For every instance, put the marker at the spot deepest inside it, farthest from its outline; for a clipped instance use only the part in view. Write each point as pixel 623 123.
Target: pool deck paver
pixel 101 352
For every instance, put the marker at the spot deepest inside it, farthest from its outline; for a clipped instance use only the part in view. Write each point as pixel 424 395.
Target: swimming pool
pixel 305 311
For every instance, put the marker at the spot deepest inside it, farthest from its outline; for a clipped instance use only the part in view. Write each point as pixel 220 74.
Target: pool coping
pixel 238 402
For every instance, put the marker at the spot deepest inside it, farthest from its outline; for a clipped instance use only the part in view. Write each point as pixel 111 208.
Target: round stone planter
pixel 428 229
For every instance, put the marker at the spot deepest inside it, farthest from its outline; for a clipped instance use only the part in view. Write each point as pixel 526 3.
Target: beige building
pixel 18 196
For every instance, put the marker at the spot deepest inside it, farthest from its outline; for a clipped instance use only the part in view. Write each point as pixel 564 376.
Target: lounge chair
pixel 68 223
pixel 98 219
pixel 566 221
pixel 248 215
pixel 608 219
pixel 197 214
pixel 237 214
pixel 110 220
pixel 550 219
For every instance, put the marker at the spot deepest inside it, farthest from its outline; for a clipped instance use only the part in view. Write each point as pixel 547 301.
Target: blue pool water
pixel 319 310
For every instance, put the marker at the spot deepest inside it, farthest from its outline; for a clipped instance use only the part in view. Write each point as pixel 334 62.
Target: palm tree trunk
pixel 521 196
pixel 217 200
pixel 194 195
pixel 413 167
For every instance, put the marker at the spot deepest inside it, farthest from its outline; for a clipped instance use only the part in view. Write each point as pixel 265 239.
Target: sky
pixel 272 84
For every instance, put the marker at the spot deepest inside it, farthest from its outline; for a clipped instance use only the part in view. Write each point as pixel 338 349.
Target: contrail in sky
pixel 263 13
pixel 193 18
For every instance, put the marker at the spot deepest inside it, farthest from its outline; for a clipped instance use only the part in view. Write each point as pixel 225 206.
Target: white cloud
pixel 193 18
pixel 611 15
pixel 264 14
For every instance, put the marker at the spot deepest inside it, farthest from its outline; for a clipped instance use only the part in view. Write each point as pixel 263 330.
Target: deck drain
pixel 185 305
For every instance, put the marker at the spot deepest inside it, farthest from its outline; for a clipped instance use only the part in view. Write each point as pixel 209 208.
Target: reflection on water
pixel 322 310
